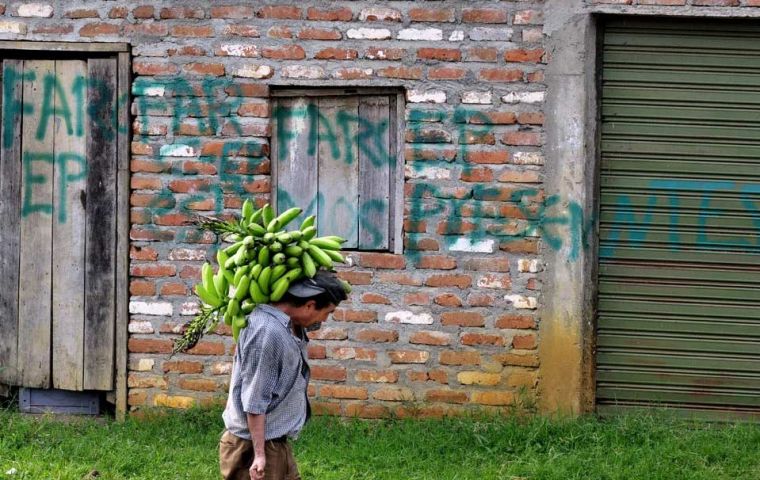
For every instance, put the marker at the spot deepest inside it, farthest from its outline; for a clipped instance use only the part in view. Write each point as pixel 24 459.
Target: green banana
pixel 308 265
pixel 308 222
pixel 279 288
pixel 207 297
pixel 233 307
pixel 279 258
pixel 239 273
pixel 241 291
pixel 309 233
pixel 228 276
pixel 230 263
pixel 240 256
pixel 263 280
pixel 325 243
pixel 284 238
pixel 293 261
pixel 221 258
pixel 288 216
pixel 320 256
pixel 335 238
pixel 276 247
pixel 207 276
pixel 295 235
pixel 255 217
pixel 346 286
pixel 247 210
pixel 220 284
pixel 293 274
pixel 293 251
pixel 247 306
pixel 227 318
pixel 264 256
pixel 335 256
pixel 268 238
pixel 273 226
pixel 256 230
pixel 256 294
pixel 233 248
pixel 256 271
pixel 277 272
pixel 268 214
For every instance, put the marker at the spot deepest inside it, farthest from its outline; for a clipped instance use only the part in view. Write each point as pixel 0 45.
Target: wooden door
pixel 58 207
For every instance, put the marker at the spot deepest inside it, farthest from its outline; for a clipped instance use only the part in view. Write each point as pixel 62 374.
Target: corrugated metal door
pixel 679 260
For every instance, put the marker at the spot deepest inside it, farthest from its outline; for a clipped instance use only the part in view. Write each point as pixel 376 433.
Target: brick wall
pixel 450 323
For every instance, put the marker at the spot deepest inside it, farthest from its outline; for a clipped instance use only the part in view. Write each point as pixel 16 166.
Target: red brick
pixel 336 54
pixel 375 298
pixel 515 321
pixel 486 264
pixel 280 31
pixel 198 384
pixel 526 245
pixel 144 11
pixel 462 319
pixel 189 186
pixel 715 3
pixel 535 77
pixel 476 174
pixel 207 348
pixel 136 398
pixel 207 69
pixel 459 358
pixel 82 13
pixel 181 12
pixel 446 396
pixel 232 11
pixel 524 342
pixel 530 118
pixel 118 12
pixel 469 137
pixel 97 29
pixel 190 271
pixel 518 360
pixel 424 244
pixel 361 316
pixel 487 157
pixel 352 73
pixel 174 288
pixel 149 345
pixel 482 339
pixel 317 352
pixel 480 300
pixel 192 31
pixel 53 29
pixel 437 262
pixel 482 54
pixel 142 288
pixel 448 300
pixel 442 54
pixel 522 138
pixel 147 68
pixel 430 338
pixel 494 118
pixel 143 253
pixel 381 260
pixel 502 75
pixel 457 227
pixel 400 279
pixel 484 15
pixel 329 15
pixel 375 376
pixel 461 281
pixel 408 356
pixel 417 298
pixel 377 336
pixel 330 373
pixel 529 176
pixel 319 34
pixel 367 411
pixel 431 15
pixel 446 73
pixel 183 367
pixel 409 73
pixel 325 408
pixel 153 270
pixel 524 55
pixel 241 31
pixel 356 278
pixel 343 391
pixel 288 52
pixel 329 333
pixel 280 12
pixel 151 29
pixel 380 53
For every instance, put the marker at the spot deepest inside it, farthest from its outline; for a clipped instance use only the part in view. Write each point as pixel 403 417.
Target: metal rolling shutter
pixel 679 260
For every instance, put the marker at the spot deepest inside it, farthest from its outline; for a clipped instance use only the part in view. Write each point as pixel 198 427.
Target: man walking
pixel 267 402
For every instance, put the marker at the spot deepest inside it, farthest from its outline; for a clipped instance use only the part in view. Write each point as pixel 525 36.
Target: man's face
pixel 309 315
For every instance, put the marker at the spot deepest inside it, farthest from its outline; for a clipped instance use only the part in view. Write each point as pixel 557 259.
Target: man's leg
pixel 235 457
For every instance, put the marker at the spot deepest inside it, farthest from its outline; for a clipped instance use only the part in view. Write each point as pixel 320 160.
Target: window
pixel 335 153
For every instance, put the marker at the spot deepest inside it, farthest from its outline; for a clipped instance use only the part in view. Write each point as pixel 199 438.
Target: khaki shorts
pixel 236 457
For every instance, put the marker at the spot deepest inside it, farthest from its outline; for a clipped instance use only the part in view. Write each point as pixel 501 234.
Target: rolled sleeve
pixel 261 365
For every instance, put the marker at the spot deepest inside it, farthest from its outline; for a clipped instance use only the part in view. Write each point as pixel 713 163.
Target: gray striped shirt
pixel 270 374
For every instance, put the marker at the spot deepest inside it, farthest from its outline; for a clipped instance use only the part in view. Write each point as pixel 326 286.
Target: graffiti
pixel 66 174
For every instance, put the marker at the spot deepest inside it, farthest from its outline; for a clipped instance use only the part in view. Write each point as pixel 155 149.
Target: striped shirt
pixel 270 374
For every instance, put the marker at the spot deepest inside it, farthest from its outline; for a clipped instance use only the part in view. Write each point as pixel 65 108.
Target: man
pixel 267 403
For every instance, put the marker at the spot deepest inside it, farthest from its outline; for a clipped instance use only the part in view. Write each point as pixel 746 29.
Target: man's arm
pixel 256 425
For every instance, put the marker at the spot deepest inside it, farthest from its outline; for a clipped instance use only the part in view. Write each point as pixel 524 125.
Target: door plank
pixel 339 168
pixel 101 133
pixel 294 155
pixel 10 209
pixel 35 270
pixel 69 227
pixel 374 172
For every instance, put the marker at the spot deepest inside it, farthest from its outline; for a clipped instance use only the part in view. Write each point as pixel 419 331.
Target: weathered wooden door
pixel 58 167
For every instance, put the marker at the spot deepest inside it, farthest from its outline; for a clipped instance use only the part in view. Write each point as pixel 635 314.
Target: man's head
pixel 309 301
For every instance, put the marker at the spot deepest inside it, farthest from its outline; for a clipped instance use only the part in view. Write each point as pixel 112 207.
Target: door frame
pixel 120 51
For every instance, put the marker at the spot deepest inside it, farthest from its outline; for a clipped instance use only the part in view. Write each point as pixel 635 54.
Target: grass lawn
pixel 183 446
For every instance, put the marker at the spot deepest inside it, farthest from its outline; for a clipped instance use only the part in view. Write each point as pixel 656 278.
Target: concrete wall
pixel 493 294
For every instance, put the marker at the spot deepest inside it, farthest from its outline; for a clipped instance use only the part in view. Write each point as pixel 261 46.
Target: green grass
pixel 184 446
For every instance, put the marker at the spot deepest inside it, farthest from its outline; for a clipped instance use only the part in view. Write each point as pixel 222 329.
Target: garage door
pixel 679 257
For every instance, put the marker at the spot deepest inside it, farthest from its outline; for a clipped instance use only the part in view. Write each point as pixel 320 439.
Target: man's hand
pixel 257 467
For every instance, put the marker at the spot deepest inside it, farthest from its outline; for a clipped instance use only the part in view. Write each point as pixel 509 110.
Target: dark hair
pixel 334 293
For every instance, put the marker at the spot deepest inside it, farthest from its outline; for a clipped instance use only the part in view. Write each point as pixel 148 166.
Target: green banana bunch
pixel 258 266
